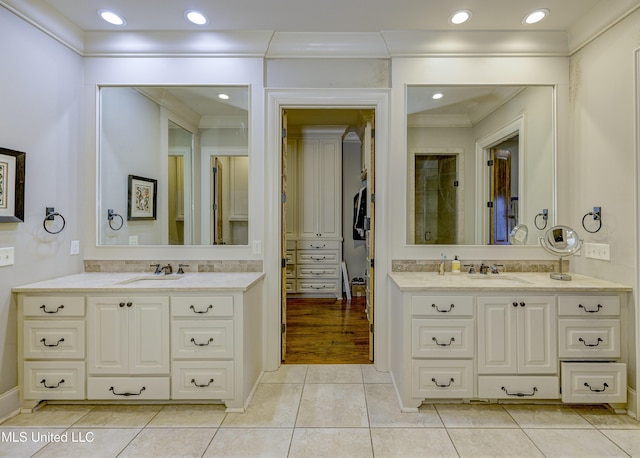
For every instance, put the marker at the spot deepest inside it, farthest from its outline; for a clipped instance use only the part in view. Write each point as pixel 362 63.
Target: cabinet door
pixel 537 336
pixel 497 343
pixel 107 336
pixel 149 336
pixel 329 172
pixel 308 186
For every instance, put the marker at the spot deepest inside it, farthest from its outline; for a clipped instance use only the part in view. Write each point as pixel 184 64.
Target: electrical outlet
pixel 75 247
pixel 257 247
pixel 597 251
pixel 133 240
pixel 6 256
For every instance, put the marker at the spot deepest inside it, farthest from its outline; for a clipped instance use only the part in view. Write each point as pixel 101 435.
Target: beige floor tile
pixel 474 416
pixel 546 416
pixel 334 373
pixel 273 405
pixel 58 416
pixel 119 416
pixel 493 442
pixel 193 416
pixel 337 405
pixel 603 418
pixel 371 375
pixel 250 442
pixel 384 410
pixel 95 443
pixel 19 442
pixel 573 442
pixel 414 442
pixel 169 442
pixel 331 442
pixel 286 373
pixel 627 439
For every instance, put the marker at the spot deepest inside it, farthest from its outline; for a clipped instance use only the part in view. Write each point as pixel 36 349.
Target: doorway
pixel 503 203
pixel 327 178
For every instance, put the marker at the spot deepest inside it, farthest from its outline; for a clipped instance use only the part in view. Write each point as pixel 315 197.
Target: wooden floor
pixel 327 331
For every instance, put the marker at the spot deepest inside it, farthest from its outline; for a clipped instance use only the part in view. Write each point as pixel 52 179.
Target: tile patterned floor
pixel 321 411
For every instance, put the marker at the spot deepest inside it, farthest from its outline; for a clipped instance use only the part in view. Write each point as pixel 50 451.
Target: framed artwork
pixel 11 186
pixel 142 196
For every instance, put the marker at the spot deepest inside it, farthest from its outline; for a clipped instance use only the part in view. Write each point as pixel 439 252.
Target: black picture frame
pixel 12 179
pixel 142 198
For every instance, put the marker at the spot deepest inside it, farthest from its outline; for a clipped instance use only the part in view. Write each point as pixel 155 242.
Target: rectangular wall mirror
pixel 186 144
pixel 481 161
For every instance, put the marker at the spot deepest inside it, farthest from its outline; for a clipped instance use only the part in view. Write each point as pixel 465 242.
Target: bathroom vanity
pixel 506 337
pixel 141 337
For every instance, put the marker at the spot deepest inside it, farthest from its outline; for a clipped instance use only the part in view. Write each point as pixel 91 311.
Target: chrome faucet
pixel 472 268
pixel 484 269
pixel 494 268
pixel 167 269
pixel 158 270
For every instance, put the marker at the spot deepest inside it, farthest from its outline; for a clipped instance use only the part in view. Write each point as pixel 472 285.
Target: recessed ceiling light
pixel 111 17
pixel 437 95
pixel 460 17
pixel 196 17
pixel 223 96
pixel 535 16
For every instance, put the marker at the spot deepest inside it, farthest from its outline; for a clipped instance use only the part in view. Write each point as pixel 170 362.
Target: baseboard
pixel 9 404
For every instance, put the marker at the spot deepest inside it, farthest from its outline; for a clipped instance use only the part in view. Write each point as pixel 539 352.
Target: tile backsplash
pixel 412 265
pixel 189 266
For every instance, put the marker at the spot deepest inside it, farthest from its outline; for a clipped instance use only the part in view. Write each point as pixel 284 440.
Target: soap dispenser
pixel 455 265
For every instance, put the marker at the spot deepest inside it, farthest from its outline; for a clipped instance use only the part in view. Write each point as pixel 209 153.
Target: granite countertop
pixel 517 281
pixel 145 282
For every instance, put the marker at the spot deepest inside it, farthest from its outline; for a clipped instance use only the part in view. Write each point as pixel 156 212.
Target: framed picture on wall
pixel 142 196
pixel 11 186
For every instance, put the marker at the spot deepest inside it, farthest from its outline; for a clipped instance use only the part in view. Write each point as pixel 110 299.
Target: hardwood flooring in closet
pixel 327 331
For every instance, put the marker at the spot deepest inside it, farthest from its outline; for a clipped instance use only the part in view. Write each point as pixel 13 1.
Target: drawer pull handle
pixel 318 246
pixel 44 309
pixel 318 287
pixel 44 342
pixel 201 311
pixel 127 393
pixel 597 309
pixel 443 310
pixel 520 394
pixel 317 272
pixel 595 390
pixel 44 383
pixel 451 340
pixel 202 344
pixel 590 345
pixel 204 385
pixel 316 258
pixel 442 385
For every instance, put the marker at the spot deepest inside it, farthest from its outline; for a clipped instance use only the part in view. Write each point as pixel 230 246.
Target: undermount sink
pixel 145 278
pixel 498 278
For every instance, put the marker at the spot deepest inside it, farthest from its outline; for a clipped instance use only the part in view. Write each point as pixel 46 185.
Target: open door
pixel 502 215
pixel 283 241
pixel 218 236
pixel 369 153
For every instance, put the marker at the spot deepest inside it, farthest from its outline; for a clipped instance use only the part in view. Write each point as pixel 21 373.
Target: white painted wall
pixel 40 114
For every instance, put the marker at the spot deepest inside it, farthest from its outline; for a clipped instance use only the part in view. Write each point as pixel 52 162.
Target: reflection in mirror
pixel 481 161
pixel 561 241
pixel 519 235
pixel 165 134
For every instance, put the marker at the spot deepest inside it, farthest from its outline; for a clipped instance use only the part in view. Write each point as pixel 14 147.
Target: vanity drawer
pixel 319 286
pixel 583 338
pixel 128 388
pixel 202 380
pixel 202 307
pixel 318 245
pixel 592 306
pixel 442 305
pixel 442 338
pixel 53 306
pixel 318 257
pixel 59 339
pixel 305 271
pixel 291 286
pixel 442 379
pixel 594 382
pixel 198 339
pixel 54 380
pixel 521 387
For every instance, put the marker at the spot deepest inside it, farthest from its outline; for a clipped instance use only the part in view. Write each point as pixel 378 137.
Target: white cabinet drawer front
pixel 318 286
pixel 54 380
pixel 591 306
pixel 520 387
pixel 318 257
pixel 128 388
pixel 291 286
pixel 594 382
pixel 318 245
pixel 53 306
pixel 589 338
pixel 291 257
pixel 44 339
pixel 442 338
pixel 442 379
pixel 202 307
pixel 291 271
pixel 202 380
pixel 442 306
pixel 198 339
pixel 305 271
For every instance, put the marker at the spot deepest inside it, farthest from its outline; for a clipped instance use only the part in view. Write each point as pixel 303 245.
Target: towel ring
pixel 545 218
pixel 597 216
pixel 50 216
pixel 111 215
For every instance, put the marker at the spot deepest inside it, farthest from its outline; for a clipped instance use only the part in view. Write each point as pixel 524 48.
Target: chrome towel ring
pixel 50 215
pixel 110 216
pixel 597 216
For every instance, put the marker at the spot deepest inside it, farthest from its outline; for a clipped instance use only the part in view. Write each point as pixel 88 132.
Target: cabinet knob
pixel 129 304
pixel 121 304
pixel 522 304
pixel 515 304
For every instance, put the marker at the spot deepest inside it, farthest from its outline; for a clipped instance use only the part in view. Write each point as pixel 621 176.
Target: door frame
pixel 276 102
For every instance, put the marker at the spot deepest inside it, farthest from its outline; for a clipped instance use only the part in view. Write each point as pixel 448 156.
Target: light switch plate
pixel 6 256
pixel 256 247
pixel 133 240
pixel 75 247
pixel 597 251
